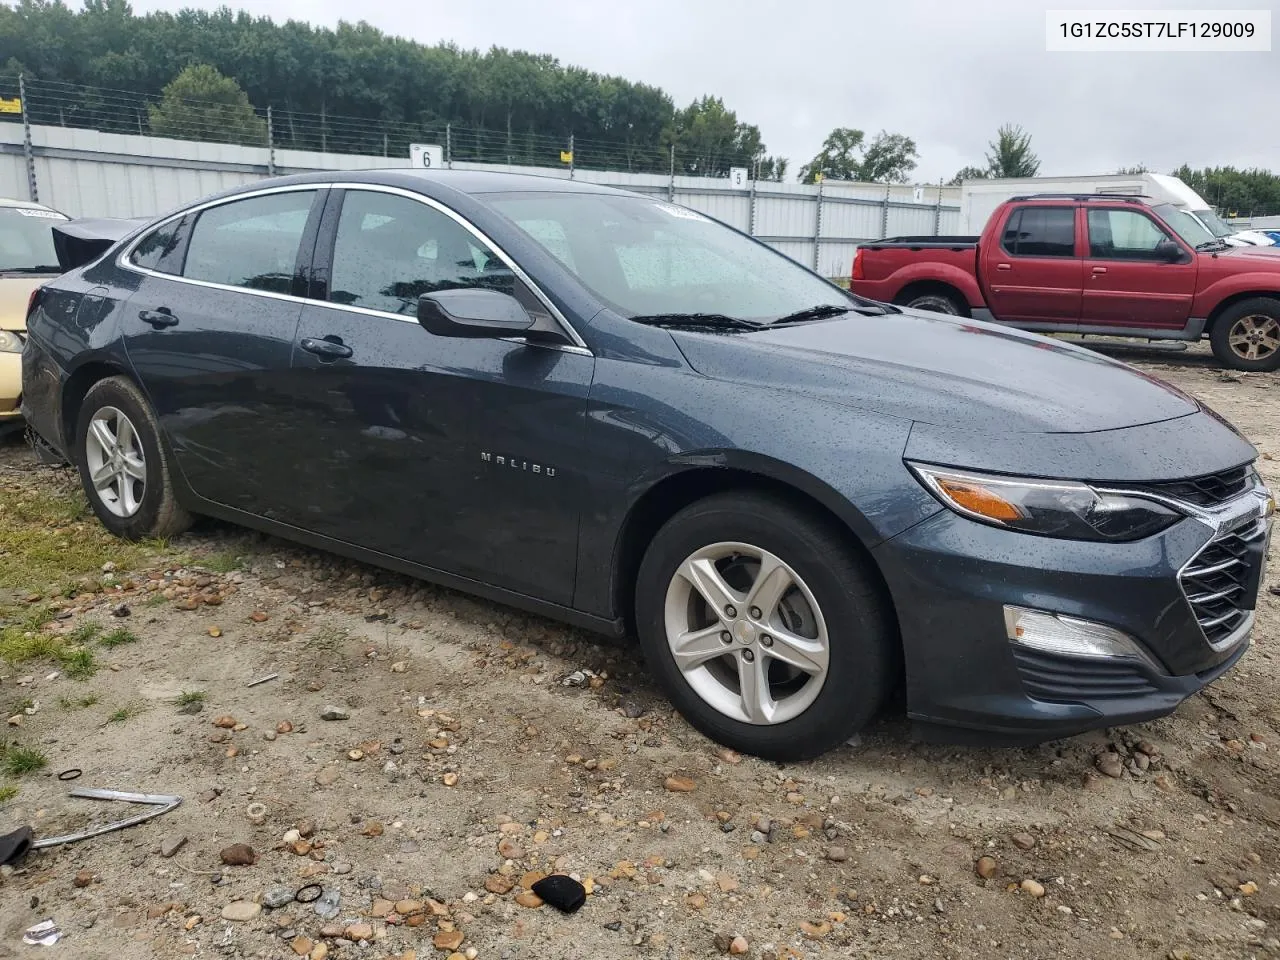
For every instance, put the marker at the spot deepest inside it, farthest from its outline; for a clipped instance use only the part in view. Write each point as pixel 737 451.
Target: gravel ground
pixel 479 748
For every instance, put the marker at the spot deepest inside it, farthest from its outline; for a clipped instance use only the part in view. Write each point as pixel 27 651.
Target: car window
pixel 157 250
pixel 26 239
pixel 390 250
pixel 1041 232
pixel 250 243
pixel 1124 235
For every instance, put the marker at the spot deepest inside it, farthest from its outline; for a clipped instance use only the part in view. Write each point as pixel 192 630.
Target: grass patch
pixel 127 712
pixel 118 637
pixel 26 703
pixel 327 638
pixel 15 761
pixel 225 561
pixel 78 663
pixel 8 792
pixel 71 703
pixel 188 697
pixel 84 633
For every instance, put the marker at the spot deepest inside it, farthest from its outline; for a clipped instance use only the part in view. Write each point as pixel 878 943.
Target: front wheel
pixel 123 464
pixel 1246 336
pixel 763 627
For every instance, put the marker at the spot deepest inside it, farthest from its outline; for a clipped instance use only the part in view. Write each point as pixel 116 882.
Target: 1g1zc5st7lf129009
pixel 794 497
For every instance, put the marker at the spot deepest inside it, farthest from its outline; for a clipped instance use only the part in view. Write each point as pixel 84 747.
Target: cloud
pixel 944 72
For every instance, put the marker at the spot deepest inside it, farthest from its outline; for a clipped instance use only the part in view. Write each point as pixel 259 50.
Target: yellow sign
pixel 566 156
pixel 10 106
pixel 817 178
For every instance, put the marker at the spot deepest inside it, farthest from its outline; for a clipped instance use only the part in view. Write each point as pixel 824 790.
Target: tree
pixel 1011 154
pixel 969 173
pixel 1233 191
pixel 709 139
pixel 202 104
pixel 772 168
pixel 1133 171
pixel 838 158
pixel 889 158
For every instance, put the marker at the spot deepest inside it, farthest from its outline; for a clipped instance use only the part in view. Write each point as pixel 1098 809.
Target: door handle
pixel 1004 266
pixel 1097 272
pixel 160 318
pixel 326 349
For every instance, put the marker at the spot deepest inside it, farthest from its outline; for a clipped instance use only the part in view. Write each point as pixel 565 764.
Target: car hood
pixel 948 371
pixel 15 293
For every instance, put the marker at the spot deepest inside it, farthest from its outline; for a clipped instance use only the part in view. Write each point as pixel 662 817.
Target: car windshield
pixel 26 240
pixel 1183 223
pixel 1217 226
pixel 649 258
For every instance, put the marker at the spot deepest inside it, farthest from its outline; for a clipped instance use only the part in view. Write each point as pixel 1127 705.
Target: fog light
pixel 1070 637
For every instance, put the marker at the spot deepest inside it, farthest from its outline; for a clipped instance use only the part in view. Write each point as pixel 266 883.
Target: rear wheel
pixel 123 465
pixel 935 301
pixel 763 627
pixel 1246 336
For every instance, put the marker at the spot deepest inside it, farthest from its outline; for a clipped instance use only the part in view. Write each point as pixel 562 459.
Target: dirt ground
pixel 478 752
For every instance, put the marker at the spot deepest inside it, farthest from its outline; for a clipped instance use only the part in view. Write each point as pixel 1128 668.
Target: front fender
pixel 1211 297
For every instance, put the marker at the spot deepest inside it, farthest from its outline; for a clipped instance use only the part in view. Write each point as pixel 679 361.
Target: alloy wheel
pixel 746 633
pixel 1255 337
pixel 116 461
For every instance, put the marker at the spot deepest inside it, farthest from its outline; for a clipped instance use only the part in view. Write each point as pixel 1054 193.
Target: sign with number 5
pixel 738 177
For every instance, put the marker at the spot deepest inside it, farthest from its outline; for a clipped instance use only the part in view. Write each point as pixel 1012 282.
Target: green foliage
pixel 202 104
pixel 1133 171
pixel 1244 193
pixel 127 712
pixel 1011 154
pixel 845 155
pixel 71 703
pixel 969 173
pixel 84 632
pixel 889 158
pixel 188 697
pixel 709 139
pixel 15 761
pixel 838 158
pixel 119 637
pixel 78 663
pixel 8 792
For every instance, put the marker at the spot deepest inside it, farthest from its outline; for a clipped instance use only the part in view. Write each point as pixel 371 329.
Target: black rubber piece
pixel 309 894
pixel 564 893
pixel 72 774
pixel 15 846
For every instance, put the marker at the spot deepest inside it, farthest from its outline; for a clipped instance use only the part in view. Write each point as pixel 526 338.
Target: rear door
pixel 460 454
pixel 210 335
pixel 1128 283
pixel 1033 272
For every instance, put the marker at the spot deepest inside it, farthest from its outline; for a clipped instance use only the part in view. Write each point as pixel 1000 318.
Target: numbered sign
pixel 918 195
pixel 426 156
pixel 738 177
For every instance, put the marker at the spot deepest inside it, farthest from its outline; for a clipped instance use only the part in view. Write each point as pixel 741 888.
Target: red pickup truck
pixel 1111 265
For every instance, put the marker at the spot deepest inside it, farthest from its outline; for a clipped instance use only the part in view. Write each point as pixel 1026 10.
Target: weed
pixel 119 637
pixel 327 638
pixel 226 561
pixel 69 703
pixel 26 703
pixel 78 663
pixel 187 697
pixel 15 761
pixel 157 599
pixel 8 792
pixel 127 712
pixel 84 633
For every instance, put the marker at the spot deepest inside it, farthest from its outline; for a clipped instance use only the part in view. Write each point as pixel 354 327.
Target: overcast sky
pixel 945 72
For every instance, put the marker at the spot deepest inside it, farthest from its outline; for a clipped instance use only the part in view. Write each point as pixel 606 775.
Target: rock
pixel 986 867
pixel 728 755
pixel 83 878
pixel 329 903
pixel 726 883
pixel 284 726
pixel 302 946
pixel 450 779
pixel 837 854
pixel 238 855
pixel 738 946
pixel 529 899
pixel 447 940
pixel 327 776
pixel 815 931
pixel 508 849
pixel 1110 765
pixel 1248 888
pixel 696 900
pixel 1032 887
pixel 332 931
pixel 225 722
pixel 497 883
pixel 757 837
pixel 258 616
pixel 408 907
pixel 355 754
pixel 334 713
pixel 277 897
pixel 359 931
pixel 1023 841
pixel 241 911
pixel 679 784
pixel 341 867
pixel 319 952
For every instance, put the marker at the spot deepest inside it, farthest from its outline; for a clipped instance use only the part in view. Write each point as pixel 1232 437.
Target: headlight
pixel 1050 508
pixel 10 342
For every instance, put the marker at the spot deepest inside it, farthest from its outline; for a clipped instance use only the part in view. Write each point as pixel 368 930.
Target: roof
pixel 462 181
pixel 11 202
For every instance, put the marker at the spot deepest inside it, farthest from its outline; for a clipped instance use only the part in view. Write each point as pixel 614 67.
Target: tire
pixel 1246 336
pixel 851 613
pixel 137 500
pixel 937 303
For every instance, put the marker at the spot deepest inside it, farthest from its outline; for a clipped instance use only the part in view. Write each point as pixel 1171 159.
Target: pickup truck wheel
pixel 935 302
pixel 123 465
pixel 1246 336
pixel 762 626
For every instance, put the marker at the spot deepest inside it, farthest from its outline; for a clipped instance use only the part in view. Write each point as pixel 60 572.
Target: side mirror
pixel 1169 252
pixel 472 313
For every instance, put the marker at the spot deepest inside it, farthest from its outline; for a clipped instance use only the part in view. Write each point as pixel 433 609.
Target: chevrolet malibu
pixel 615 411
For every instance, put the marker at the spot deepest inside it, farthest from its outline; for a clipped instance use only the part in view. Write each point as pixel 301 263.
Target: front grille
pixel 1218 581
pixel 1206 491
pixel 1047 676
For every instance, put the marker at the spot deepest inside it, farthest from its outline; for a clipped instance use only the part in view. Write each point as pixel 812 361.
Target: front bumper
pixel 10 387
pixel 951 578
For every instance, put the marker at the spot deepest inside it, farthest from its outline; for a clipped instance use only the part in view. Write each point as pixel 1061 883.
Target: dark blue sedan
pixel 616 411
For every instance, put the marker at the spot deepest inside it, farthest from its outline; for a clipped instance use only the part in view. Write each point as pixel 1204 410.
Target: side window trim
pixel 326 239
pixel 1013 221
pixel 1156 224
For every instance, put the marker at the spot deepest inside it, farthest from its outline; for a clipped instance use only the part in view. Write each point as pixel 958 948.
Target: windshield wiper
pixel 36 269
pixel 1217 243
pixel 717 321
pixel 820 312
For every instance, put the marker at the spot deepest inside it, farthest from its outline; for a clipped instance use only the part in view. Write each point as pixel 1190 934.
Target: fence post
pixel 751 220
pixel 817 228
pixel 884 212
pixel 671 183
pixel 33 191
pixel 271 144
pixel 571 157
pixel 448 145
pixel 937 212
